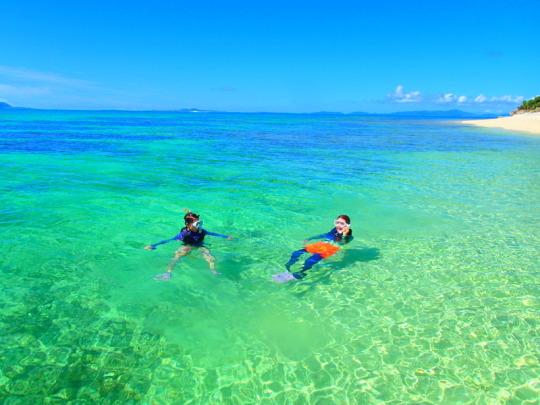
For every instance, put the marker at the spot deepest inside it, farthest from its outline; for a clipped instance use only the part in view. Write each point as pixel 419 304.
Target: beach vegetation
pixel 532 105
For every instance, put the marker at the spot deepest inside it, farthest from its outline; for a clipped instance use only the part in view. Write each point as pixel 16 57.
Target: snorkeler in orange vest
pixel 341 234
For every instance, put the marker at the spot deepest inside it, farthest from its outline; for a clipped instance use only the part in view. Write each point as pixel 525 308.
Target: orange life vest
pixel 325 249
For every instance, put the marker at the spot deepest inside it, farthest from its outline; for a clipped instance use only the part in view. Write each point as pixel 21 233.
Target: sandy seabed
pixel 529 122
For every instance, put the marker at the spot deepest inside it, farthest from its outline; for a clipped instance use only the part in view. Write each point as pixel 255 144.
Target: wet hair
pixel 348 220
pixel 190 217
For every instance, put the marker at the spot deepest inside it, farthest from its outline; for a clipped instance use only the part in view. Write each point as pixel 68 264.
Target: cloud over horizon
pixel 451 99
pixel 39 89
pixel 28 75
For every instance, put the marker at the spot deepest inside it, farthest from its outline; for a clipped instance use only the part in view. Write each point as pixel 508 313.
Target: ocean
pixel 436 301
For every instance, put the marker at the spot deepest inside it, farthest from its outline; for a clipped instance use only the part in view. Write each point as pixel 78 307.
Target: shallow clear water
pixel 436 300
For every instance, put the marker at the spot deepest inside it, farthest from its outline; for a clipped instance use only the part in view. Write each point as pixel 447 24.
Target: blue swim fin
pixel 162 277
pixel 283 277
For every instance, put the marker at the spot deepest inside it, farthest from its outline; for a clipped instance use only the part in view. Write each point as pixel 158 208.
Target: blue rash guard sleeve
pixel 161 243
pixel 180 236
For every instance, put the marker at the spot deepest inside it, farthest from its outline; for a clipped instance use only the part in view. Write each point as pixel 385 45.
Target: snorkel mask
pixel 197 224
pixel 340 224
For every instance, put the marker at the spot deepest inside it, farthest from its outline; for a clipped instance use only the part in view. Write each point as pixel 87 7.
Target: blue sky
pixel 282 56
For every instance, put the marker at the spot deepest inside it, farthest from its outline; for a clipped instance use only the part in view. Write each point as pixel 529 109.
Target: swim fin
pixel 283 277
pixel 162 277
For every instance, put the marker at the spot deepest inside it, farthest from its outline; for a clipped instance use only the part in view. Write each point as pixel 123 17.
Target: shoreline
pixel 527 122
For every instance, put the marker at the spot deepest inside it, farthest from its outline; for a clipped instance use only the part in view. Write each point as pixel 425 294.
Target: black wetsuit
pixel 190 238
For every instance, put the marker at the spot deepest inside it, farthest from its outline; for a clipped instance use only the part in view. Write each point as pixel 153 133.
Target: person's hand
pixel 149 247
pixel 229 237
pixel 346 230
pixel 305 242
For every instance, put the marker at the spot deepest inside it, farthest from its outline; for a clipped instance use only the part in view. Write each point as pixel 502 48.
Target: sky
pixel 272 56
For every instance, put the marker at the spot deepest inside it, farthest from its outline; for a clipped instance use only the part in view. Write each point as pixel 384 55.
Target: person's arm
pixel 218 235
pixel 346 238
pixel 180 236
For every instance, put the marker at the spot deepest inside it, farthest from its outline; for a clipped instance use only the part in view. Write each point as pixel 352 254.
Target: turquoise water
pixel 435 302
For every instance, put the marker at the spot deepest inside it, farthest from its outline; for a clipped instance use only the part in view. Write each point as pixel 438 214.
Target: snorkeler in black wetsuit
pixel 192 237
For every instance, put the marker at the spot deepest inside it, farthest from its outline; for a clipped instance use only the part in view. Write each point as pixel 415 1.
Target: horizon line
pixel 197 110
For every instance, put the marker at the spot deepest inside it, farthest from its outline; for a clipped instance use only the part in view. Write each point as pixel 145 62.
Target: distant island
pixel 192 110
pixel 528 106
pixel 412 114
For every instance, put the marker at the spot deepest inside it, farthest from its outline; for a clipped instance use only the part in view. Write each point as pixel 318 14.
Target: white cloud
pixel 39 89
pixel 451 99
pixel 447 98
pixel 22 75
pixel 26 84
pixel 510 99
pixel 10 90
pixel 480 98
pixel 400 97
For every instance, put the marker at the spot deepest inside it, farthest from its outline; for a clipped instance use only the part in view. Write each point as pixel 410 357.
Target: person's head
pixel 192 221
pixel 343 224
pixel 342 221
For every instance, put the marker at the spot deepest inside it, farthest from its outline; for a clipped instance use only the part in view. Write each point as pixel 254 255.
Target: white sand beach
pixel 529 122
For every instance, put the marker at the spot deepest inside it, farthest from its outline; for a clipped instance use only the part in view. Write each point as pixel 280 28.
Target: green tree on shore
pixel 532 105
